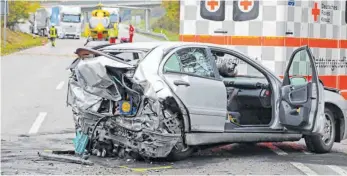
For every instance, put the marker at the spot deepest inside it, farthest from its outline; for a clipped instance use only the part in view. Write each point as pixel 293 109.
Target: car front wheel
pixel 323 144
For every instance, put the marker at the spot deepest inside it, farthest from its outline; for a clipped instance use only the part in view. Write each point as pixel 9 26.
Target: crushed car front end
pixel 119 110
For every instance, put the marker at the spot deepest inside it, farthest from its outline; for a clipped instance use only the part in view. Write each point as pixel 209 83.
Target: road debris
pixel 156 169
pixel 64 158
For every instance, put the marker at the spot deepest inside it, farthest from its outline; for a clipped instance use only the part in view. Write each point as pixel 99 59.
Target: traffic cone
pixel 43 42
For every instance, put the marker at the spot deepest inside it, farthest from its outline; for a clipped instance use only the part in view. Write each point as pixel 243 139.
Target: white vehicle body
pixel 69 21
pixel 270 30
pixel 40 21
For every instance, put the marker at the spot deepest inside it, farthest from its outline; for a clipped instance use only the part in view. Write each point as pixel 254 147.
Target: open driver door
pixel 302 105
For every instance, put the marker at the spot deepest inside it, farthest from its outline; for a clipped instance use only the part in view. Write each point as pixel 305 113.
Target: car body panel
pixel 203 103
pixel 341 103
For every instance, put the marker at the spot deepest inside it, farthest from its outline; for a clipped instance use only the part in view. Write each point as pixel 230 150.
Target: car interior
pixel 249 95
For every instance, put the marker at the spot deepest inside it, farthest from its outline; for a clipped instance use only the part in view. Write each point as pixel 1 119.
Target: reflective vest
pixel 52 32
pixel 113 32
pixel 116 28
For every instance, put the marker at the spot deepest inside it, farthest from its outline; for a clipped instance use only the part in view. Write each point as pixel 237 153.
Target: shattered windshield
pixel 71 18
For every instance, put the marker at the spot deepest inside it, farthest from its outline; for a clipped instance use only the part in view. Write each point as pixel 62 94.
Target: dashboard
pixel 251 93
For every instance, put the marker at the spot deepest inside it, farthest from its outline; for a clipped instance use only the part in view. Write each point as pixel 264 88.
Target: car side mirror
pixel 298 80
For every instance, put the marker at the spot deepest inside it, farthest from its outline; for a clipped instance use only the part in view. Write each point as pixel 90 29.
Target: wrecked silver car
pixel 160 99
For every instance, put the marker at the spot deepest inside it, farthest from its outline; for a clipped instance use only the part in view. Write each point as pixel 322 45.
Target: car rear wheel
pixel 323 144
pixel 181 150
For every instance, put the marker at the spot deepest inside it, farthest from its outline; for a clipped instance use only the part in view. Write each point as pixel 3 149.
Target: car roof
pixel 135 45
pixel 151 45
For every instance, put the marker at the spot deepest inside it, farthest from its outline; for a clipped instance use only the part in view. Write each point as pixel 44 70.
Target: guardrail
pixel 141 31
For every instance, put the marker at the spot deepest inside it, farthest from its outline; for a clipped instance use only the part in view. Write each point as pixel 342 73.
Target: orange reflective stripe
pixel 266 41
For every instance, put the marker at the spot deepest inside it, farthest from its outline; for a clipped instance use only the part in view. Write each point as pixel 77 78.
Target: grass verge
pixel 16 41
pixel 170 35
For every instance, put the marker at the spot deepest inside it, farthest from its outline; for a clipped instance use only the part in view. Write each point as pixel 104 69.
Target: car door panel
pixel 302 106
pixel 296 104
pixel 204 98
pixel 297 95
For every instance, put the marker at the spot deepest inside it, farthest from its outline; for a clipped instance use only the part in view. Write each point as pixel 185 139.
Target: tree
pixel 19 10
pixel 172 9
pixel 171 20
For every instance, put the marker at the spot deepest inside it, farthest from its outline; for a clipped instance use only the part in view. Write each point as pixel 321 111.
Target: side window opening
pixel 230 66
pixel 300 69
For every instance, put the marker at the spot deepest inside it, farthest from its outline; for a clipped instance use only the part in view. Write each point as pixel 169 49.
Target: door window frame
pixel 216 75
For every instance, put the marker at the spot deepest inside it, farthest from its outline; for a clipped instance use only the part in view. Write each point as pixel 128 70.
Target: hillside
pixel 17 41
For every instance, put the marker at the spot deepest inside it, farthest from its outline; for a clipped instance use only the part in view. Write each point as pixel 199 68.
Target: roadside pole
pixel 5 22
pixel 5 13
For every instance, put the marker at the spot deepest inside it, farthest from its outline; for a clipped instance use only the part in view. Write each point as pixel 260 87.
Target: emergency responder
pixel 131 33
pixel 53 34
pixel 113 33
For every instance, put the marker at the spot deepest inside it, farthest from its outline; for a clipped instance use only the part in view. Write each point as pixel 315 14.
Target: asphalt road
pixel 35 118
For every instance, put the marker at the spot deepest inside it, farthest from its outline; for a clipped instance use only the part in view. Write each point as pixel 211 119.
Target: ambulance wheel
pixel 323 144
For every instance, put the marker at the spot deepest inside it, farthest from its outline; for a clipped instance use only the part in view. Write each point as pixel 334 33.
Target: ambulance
pixel 269 31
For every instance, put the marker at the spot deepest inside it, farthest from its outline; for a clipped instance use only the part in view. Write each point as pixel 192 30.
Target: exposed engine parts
pixel 118 119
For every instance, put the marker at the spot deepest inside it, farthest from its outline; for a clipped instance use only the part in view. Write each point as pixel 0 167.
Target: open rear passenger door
pixel 301 105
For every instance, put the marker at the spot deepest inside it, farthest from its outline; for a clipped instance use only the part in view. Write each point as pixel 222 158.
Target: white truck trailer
pixel 68 21
pixel 40 21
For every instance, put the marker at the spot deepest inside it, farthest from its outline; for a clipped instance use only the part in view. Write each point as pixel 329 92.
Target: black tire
pixel 177 155
pixel 180 151
pixel 316 143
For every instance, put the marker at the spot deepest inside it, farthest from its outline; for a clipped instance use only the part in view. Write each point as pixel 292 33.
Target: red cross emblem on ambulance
pixel 315 12
pixel 245 5
pixel 212 5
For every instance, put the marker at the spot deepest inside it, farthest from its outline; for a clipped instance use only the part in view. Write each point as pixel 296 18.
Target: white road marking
pixel 337 169
pixel 276 149
pixel 306 152
pixel 298 147
pixel 299 166
pixel 36 125
pixel 303 168
pixel 60 85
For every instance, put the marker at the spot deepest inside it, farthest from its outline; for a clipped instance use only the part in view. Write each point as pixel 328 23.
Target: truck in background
pixel 68 21
pixel 40 21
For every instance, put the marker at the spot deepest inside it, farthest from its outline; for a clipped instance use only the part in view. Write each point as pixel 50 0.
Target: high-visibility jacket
pixel 113 32
pixel 116 28
pixel 53 32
